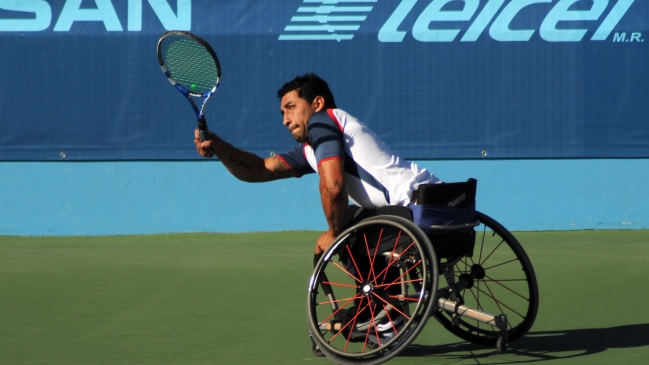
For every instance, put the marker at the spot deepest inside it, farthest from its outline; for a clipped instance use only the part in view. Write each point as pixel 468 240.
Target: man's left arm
pixel 333 194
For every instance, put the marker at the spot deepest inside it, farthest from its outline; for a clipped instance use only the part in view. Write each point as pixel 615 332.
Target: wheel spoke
pixel 492 252
pixel 367 247
pixel 376 249
pixel 402 275
pixel 341 284
pixel 502 263
pixel 334 301
pixel 339 309
pixel 373 325
pixel 506 287
pixel 403 281
pixel 403 298
pixel 358 311
pixel 353 324
pixel 394 326
pixel 390 262
pixel 354 261
pixel 503 304
pixel 497 304
pixel 346 272
pixel 481 244
pixel 395 308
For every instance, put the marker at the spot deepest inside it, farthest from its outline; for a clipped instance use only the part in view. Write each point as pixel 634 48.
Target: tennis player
pixel 353 164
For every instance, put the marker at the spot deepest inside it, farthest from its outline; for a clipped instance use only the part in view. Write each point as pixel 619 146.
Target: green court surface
pixel 240 299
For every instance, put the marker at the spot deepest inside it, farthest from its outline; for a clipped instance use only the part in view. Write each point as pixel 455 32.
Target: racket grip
pixel 202 128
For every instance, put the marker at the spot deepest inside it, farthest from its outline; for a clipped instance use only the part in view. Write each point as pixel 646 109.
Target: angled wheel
pixel 372 291
pixel 503 282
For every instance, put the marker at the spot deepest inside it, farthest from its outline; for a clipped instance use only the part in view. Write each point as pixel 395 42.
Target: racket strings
pixel 189 64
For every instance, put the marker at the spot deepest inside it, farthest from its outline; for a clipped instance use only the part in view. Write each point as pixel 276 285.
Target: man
pixel 353 164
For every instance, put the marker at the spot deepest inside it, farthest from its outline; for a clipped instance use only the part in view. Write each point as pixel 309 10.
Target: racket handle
pixel 202 128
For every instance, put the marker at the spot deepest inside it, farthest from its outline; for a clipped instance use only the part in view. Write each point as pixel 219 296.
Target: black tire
pixel 375 318
pixel 508 287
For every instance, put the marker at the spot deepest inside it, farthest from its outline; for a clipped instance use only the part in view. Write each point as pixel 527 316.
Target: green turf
pixel 240 299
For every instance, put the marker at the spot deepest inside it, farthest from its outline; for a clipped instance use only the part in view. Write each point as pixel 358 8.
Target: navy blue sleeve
pixel 325 138
pixel 296 160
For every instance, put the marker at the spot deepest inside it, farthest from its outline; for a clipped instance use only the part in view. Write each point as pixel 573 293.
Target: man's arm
pixel 243 165
pixel 333 194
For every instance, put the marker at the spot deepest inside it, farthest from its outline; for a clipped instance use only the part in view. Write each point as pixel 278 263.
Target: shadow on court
pixel 545 345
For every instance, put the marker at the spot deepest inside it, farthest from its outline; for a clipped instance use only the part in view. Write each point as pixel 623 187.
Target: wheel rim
pixel 506 285
pixel 383 295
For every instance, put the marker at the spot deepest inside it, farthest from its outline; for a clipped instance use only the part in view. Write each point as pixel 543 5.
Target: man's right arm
pixel 243 165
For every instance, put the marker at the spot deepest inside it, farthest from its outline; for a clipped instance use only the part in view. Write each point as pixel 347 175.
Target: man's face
pixel 297 112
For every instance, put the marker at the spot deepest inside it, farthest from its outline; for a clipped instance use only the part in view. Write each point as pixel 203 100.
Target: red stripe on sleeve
pixel 287 164
pixel 333 117
pixel 329 158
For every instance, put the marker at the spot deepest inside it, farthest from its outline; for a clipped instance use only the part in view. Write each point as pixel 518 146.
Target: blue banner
pixel 435 79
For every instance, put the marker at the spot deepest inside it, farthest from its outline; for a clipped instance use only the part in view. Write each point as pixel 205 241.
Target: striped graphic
pixel 324 20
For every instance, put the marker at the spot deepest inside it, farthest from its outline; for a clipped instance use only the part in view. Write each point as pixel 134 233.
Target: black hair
pixel 308 87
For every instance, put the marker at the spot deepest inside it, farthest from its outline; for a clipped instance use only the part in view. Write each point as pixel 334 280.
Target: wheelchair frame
pixel 374 304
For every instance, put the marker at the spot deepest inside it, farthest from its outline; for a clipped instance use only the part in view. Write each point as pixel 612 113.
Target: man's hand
pixel 205 148
pixel 324 241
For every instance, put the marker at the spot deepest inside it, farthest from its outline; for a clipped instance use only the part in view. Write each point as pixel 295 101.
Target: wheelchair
pixel 374 289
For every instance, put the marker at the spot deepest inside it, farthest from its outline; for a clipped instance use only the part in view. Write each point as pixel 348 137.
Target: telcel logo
pixel 104 12
pixel 339 19
pixel 502 15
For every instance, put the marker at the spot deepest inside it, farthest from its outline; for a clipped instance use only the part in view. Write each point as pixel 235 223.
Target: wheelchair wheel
pixel 504 284
pixel 372 291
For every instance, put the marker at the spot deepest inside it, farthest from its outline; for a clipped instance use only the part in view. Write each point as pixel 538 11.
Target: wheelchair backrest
pixel 456 194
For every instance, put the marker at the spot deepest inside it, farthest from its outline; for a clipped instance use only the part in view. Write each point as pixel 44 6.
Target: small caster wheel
pixel 501 345
pixel 316 350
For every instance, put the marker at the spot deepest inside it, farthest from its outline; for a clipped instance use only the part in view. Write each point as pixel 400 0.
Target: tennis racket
pixel 192 67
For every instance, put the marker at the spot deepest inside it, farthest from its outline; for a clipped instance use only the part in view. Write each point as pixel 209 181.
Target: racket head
pixel 189 63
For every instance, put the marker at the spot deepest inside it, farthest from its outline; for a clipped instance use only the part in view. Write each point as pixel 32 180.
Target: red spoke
pixel 334 301
pixel 402 275
pixel 367 247
pixel 396 242
pixel 394 326
pixel 376 249
pixel 341 284
pixel 403 298
pixel 353 324
pixel 373 324
pixel 395 308
pixel 345 271
pixel 405 281
pixel 354 261
pixel 358 311
pixel 393 261
pixel 367 334
pixel 339 309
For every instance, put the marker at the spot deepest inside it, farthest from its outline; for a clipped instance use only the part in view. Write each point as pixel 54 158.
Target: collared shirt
pixel 374 175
